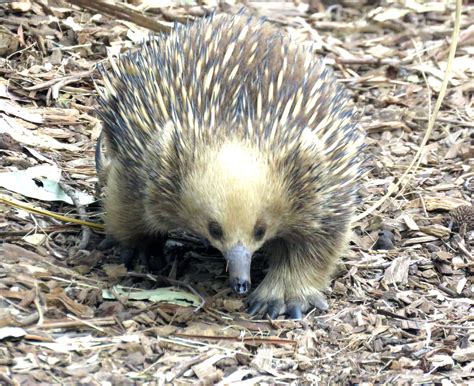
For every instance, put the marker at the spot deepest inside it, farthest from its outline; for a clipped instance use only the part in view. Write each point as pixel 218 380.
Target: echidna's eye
pixel 259 231
pixel 215 230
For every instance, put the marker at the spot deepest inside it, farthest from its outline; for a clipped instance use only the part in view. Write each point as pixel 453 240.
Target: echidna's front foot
pixel 147 253
pixel 127 255
pixel 269 301
pixel 107 243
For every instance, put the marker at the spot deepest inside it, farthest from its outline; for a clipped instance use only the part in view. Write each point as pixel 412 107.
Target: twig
pixel 240 339
pixel 87 323
pixel 94 323
pixel 61 82
pixel 447 120
pixel 448 291
pixel 187 365
pixel 46 230
pixel 39 309
pixel 6 380
pixel 38 338
pixel 86 231
pixel 120 12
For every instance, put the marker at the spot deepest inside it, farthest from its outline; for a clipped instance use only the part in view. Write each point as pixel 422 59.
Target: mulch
pixel 401 302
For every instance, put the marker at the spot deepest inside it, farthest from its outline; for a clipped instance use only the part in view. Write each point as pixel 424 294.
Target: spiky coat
pixel 234 84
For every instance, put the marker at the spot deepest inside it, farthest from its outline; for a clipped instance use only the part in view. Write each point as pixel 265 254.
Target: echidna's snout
pixel 240 286
pixel 238 260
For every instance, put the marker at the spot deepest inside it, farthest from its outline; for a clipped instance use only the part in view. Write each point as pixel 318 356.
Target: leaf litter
pixel 401 302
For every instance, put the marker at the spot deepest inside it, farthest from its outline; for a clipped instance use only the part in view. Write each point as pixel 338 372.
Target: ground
pixel 402 315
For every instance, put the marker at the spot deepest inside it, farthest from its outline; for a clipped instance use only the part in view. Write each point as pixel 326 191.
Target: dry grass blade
pixel 43 212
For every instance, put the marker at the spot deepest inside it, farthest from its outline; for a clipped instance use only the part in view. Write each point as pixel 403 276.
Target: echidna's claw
pixel 274 308
pixel 293 310
pixel 127 257
pixel 319 302
pixel 107 243
pixel 254 307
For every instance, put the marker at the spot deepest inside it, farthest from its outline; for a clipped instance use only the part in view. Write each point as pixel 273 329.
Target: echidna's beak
pixel 238 260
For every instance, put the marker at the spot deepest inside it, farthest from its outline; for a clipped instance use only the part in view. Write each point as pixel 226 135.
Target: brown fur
pixel 261 135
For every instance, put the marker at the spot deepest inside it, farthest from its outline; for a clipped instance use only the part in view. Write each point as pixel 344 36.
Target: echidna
pixel 463 214
pixel 228 129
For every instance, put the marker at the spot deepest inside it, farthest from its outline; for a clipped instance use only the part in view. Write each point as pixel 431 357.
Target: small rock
pixel 385 241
